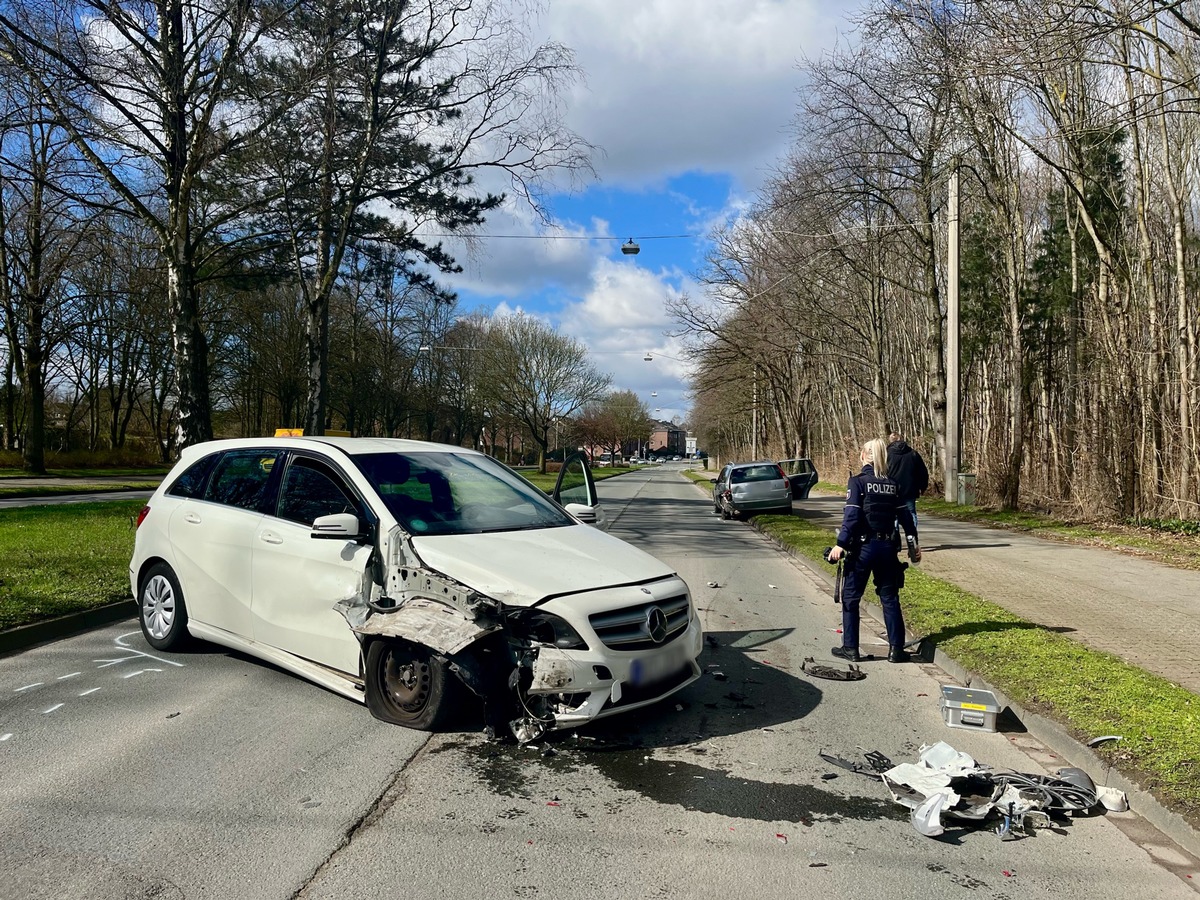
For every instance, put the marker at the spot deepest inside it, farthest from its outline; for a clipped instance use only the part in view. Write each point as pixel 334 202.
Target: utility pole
pixel 953 428
pixel 754 417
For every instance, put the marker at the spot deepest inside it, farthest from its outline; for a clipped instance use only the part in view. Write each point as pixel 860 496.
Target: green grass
pixel 1090 692
pixel 546 482
pixel 63 559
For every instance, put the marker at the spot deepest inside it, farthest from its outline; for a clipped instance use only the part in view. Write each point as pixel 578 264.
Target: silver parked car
pixel 752 487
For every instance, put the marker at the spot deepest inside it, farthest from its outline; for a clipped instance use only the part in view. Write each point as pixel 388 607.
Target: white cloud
pixel 677 85
pixel 521 255
pixel 622 318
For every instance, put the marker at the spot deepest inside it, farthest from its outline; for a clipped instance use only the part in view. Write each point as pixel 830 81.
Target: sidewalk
pixel 1143 612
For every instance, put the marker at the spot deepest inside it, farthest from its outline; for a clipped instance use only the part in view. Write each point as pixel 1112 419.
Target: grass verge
pixel 1089 692
pixel 63 559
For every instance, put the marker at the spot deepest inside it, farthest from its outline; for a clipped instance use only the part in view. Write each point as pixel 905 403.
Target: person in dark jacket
pixel 907 469
pixel 867 540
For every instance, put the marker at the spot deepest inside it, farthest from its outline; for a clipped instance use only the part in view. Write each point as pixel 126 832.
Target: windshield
pixel 451 493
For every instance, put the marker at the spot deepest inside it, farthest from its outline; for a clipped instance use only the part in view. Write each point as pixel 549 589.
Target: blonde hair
pixel 875 452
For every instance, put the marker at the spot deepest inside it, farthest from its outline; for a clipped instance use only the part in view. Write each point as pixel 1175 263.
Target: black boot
pixel 850 654
pixel 898 655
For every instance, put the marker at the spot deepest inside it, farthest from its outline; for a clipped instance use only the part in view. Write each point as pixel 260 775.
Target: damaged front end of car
pixel 533 670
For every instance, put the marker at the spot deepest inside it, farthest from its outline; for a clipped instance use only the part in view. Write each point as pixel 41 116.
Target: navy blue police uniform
pixel 869 539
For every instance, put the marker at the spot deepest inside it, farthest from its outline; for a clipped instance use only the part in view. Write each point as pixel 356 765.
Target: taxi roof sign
pixel 299 432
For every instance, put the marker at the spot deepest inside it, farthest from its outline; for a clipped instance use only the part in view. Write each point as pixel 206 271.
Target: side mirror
pixel 582 512
pixel 340 527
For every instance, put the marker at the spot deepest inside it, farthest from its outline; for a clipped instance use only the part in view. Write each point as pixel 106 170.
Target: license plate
pixel 649 669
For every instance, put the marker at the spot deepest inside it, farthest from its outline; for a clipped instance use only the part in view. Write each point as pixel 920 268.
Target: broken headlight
pixel 546 628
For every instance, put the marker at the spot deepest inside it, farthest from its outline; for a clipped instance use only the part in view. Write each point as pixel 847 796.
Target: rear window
pixel 754 473
pixel 191 483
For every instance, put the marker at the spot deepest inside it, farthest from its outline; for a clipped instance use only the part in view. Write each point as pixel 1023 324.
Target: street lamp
pixel 629 248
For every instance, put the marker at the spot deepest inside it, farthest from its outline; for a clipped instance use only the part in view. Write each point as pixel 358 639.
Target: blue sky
pixel 692 104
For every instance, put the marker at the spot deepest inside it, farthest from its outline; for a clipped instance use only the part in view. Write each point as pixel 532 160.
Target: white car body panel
pixel 213 545
pixel 522 567
pixel 295 578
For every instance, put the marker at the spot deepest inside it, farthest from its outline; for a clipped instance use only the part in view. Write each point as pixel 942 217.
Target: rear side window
pixel 311 490
pixel 240 479
pixel 191 483
pixel 754 473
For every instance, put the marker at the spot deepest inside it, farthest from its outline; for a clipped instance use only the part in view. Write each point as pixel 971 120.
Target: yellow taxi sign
pixel 299 432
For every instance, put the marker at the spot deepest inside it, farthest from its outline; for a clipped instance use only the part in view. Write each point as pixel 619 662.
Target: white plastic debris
pixel 927 818
pixel 1112 799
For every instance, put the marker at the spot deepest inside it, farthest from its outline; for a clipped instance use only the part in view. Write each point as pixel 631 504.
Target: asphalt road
pixel 133 774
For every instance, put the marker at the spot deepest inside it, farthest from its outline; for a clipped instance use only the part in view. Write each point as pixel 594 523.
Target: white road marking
pixel 5 737
pixel 135 654
pixel 65 677
pixel 140 672
pixel 46 712
pixel 89 691
pixel 29 686
pixel 118 641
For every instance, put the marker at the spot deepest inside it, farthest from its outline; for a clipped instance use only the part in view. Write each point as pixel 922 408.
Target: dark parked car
pixel 802 475
pixel 752 487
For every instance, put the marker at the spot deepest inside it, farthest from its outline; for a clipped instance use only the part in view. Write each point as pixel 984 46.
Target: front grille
pixel 626 629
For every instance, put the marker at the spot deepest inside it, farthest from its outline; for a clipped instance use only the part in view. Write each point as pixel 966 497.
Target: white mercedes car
pixel 396 572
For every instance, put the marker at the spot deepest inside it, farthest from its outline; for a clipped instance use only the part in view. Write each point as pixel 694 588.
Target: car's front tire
pixel 407 686
pixel 161 610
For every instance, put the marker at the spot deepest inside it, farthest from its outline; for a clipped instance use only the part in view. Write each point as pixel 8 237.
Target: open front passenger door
pixel 576 491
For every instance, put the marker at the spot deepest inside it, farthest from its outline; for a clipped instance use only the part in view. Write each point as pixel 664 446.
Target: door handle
pixel 270 537
pixel 191 518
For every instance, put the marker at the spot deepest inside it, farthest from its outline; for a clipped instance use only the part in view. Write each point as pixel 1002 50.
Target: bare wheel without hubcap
pixel 406 685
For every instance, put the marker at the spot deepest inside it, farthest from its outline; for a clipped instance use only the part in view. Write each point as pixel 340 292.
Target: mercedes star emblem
pixel 656 624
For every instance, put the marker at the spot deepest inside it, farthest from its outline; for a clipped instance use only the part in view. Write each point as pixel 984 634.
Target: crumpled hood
pixel 521 567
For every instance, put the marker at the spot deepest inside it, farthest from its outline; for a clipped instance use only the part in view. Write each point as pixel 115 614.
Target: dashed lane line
pixel 29 687
pixel 46 712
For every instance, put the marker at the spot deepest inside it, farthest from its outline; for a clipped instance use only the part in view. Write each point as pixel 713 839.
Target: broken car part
pixel 945 782
pixel 833 673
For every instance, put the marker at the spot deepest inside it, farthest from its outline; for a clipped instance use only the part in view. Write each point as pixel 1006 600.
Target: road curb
pixel 25 636
pixel 1051 733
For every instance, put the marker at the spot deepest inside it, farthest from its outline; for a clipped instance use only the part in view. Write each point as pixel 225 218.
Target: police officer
pixel 868 541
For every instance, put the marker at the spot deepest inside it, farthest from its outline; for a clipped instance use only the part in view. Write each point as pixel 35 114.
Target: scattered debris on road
pixel 945 782
pixel 948 782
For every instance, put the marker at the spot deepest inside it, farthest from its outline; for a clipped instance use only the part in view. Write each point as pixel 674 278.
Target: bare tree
pixel 538 376
pixel 153 94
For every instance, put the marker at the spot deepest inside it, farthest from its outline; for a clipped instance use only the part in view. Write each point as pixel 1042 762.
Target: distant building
pixel 667 438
